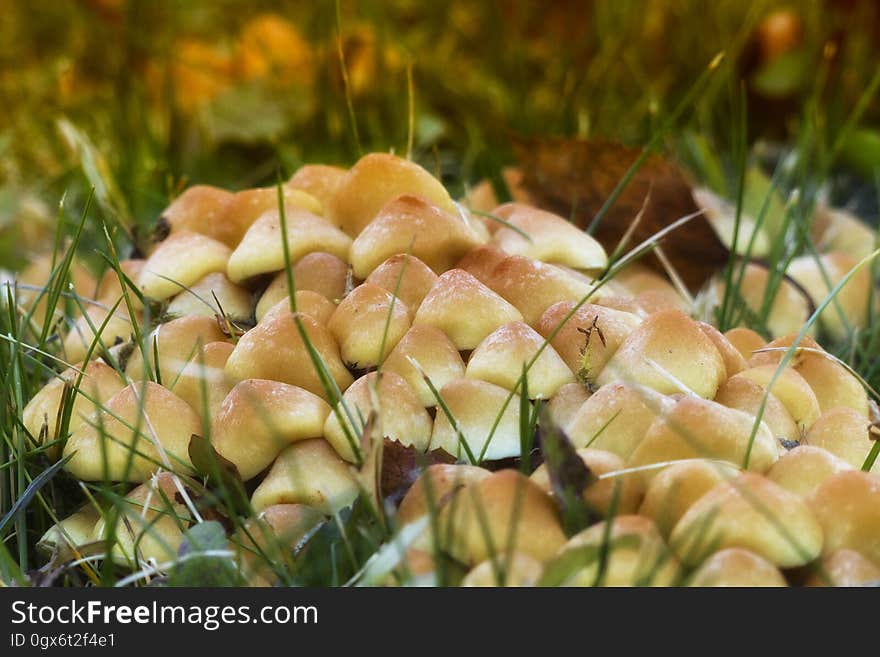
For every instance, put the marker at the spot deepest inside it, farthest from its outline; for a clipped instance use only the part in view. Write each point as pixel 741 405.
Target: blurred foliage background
pixel 140 98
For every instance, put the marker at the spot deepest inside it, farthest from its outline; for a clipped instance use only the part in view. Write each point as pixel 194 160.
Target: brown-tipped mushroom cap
pixel 202 209
pixel 368 324
pixel 261 250
pixel 435 488
pixel 601 494
pixel 307 302
pixel 737 567
pixel 480 262
pixel 274 349
pixel 675 489
pixel 650 288
pixel 96 326
pixel 698 428
pixel 147 426
pixel 180 262
pixel 318 272
pixel 308 472
pixel 249 205
pixel 733 360
pixel 475 406
pixel 846 434
pixel 411 224
pixel 259 418
pixel 319 180
pixel 110 288
pixel 406 277
pixel 802 469
pixel 202 383
pixel 750 512
pixel 589 338
pixel 844 568
pixel 425 351
pixel 847 507
pixel 464 309
pixel 746 395
pixel 789 309
pixel 550 238
pixel 565 403
pixel 518 570
pixel 399 415
pixel 745 340
pixel 790 388
pixel 481 197
pixel 501 358
pixel 667 351
pixel 211 296
pixel 376 179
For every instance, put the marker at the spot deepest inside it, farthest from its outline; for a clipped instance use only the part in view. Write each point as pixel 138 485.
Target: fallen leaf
pixel 402 465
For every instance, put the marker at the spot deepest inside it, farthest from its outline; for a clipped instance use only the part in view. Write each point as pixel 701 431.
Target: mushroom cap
pixel 74 531
pixel 750 512
pixel 248 205
pixel 681 351
pixel 836 230
pixel 202 209
pixel 504 511
pixel 733 360
pixel 274 349
pixel 698 428
pixel 481 197
pixel 847 506
pixel 110 289
pixel 308 472
pixel 376 179
pixel 788 311
pixel 600 494
pixel 476 405
pixel 636 554
pixel 202 383
pixel 517 570
pixel 550 238
pixel 615 418
pixel 37 274
pixel 414 225
pixel 106 441
pixel 259 418
pixel 844 567
pixel 319 272
pixel 213 295
pixel 746 395
pixel 435 487
pixel 455 290
pixel 737 567
pixel 319 180
pixel 586 357
pixel 503 355
pixel 261 250
pixel 368 324
pixel 400 415
pixel 179 262
pixel 675 489
pixel 82 333
pixel 650 288
pixel 790 388
pixel 745 340
pixel 846 434
pixel 480 262
pixel 99 383
pixel 564 405
pixel 435 355
pixel 802 469
pixel 404 276
pixel 307 302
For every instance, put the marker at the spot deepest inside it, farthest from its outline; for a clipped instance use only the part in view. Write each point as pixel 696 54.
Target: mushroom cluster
pixel 714 459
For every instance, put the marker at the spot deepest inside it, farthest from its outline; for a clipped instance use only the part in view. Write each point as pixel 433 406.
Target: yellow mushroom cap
pixel 676 488
pixel 667 351
pixel 110 289
pixel 733 360
pixel 846 434
pixel 650 290
pixel 789 309
pixel 586 356
pixel 790 388
pixel 412 224
pixel 745 340
pixel 399 414
pixel 274 349
pixel 425 350
pixel 481 261
pixel 502 356
pixel 476 405
pixel 179 262
pixel 444 305
pixel 307 302
pixel 96 326
pixel 835 229
pixel 601 494
pixel 261 250
pixel 202 209
pixel 746 395
pixel 435 487
pixel 847 506
pixel 202 383
pixel 482 196
pixel 615 418
pixel 844 567
pixel 319 180
pixel 74 531
pixel 737 567
pixel 698 428
pixel 406 277
pixel 565 403
pixel 99 383
pixel 804 468
pixel 308 472
pixel 368 324
pixel 318 272
pixel 36 276
pixel 550 238
pixel 504 511
pixel 750 512
pixel 213 295
pixel 376 179
pixel 636 556
pixel 517 570
pixel 248 205
pixel 103 445
pixel 259 418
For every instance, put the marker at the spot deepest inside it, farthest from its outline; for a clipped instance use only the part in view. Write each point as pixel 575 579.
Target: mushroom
pixel 425 351
pixel 261 250
pixel 481 197
pixel 319 180
pixel 668 353
pixel 319 272
pixel 259 418
pixel 110 288
pixel 836 230
pixel 412 224
pixel 746 395
pixel 455 290
pixel 745 340
pixel 503 355
pixel 847 506
pixel 846 434
pixel 202 209
pixel 400 416
pixel 737 567
pixel 844 567
pixel 249 205
pixel 404 276
pixel 99 327
pixel 211 296
pixel 436 487
pixel 649 288
pixel 307 302
pixel 179 262
pixel 376 179
pixel 734 362
pixel 790 388
pixel 565 403
pixel 73 532
pixel 140 429
pixel 202 383
pixel 308 472
pixel 517 570
pixel 804 468
pixel 480 262
pixel 37 276
pixel 750 512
